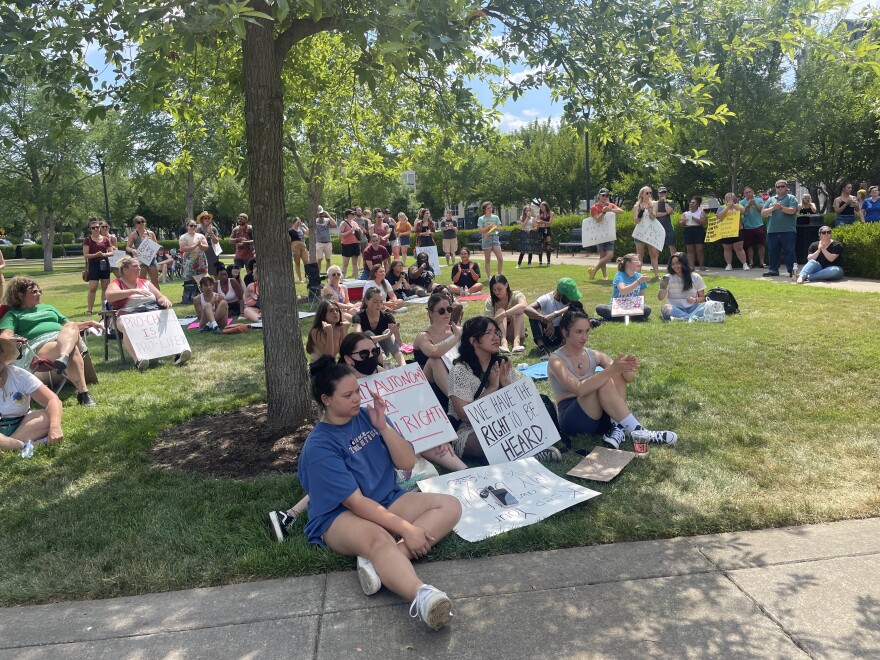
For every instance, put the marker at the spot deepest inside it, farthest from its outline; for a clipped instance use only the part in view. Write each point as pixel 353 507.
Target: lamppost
pixel 100 157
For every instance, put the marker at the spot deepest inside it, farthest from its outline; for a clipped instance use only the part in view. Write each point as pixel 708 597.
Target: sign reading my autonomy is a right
pixel 512 423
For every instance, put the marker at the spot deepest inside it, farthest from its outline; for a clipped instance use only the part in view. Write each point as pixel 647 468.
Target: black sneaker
pixel 615 436
pixel 549 455
pixel 543 353
pixel 85 399
pixel 279 523
pixel 770 273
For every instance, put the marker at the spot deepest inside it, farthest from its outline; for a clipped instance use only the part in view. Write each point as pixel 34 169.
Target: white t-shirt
pixel 549 304
pixel 15 395
pixel 692 217
pixel 675 293
pixel 385 289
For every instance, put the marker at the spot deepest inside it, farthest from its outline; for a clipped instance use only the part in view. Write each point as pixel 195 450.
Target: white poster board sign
pixel 433 259
pixel 154 334
pixel 512 423
pixel 595 231
pixel 147 251
pixel 217 249
pixel 498 498
pixel 412 406
pixel 628 306
pixel 650 232
pixel 117 256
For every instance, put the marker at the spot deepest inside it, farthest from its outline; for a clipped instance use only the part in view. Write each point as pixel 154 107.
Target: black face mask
pixel 367 367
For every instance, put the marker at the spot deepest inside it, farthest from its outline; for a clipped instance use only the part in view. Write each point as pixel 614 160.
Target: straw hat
pixel 204 214
pixel 8 350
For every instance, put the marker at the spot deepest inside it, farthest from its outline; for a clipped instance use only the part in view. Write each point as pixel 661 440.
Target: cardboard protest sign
pixel 603 230
pixel 117 256
pixel 628 306
pixel 154 334
pixel 727 227
pixel 650 232
pixel 512 423
pixel 147 250
pixel 412 406
pixel 433 259
pixel 602 464
pixel 498 498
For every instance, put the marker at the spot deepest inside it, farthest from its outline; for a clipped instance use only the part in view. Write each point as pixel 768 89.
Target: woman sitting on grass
pixel 251 309
pixel 328 331
pixel 211 308
pixel 436 342
pixel 683 290
pixel 592 402
pixel 379 324
pixel 628 283
pixel 508 309
pixel 378 283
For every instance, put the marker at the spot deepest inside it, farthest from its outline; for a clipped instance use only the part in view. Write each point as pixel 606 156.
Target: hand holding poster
pixel 154 334
pixel 498 498
pixel 650 232
pixel 431 251
pixel 512 423
pixel 603 230
pixel 727 227
pixel 117 256
pixel 628 306
pixel 411 406
pixel 147 251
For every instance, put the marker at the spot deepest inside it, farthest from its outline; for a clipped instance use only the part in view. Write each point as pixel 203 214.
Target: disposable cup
pixel 640 442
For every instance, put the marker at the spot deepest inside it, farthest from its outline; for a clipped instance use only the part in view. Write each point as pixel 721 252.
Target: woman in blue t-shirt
pixel 355 508
pixel 871 206
pixel 629 282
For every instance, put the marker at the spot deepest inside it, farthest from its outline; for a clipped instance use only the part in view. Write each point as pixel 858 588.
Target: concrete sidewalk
pixel 805 592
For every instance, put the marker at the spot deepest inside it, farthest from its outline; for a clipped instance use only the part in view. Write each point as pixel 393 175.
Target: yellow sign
pixel 727 227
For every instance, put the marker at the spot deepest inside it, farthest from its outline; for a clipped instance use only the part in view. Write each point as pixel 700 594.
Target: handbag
pixel 85 274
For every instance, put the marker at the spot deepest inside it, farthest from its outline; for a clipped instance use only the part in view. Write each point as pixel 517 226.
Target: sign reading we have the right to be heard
pixel 512 423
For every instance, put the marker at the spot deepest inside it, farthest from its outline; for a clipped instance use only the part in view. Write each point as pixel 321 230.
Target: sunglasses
pixel 442 311
pixel 93 228
pixel 140 222
pixel 335 274
pixel 783 186
pixel 366 353
pixel 824 232
pixel 190 226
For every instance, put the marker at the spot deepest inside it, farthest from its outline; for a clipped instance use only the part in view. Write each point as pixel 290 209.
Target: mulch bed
pixel 237 445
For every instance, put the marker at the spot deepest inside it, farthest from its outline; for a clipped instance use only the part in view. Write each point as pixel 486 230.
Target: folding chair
pixel 38 365
pixel 111 331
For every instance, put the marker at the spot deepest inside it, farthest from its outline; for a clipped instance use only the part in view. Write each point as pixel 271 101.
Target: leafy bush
pixel 36 251
pixel 861 244
pixel 8 251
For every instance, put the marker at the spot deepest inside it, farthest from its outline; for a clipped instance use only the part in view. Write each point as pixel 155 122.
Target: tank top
pixel 558 388
pixel 229 295
pixel 848 210
pixel 338 293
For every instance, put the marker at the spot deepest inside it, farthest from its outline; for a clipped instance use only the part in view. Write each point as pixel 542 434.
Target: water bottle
pixel 28 450
pixel 794 272
pixel 464 291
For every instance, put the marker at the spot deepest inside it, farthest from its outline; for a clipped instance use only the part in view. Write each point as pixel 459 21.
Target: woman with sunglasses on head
pixel 477 372
pixel 328 330
pixel 97 250
pixel 823 259
pixel 193 247
pixel 135 238
pixel 508 309
pixel 377 322
pixel 592 402
pixel 643 212
pixel 336 290
pixel 683 290
pixel 435 346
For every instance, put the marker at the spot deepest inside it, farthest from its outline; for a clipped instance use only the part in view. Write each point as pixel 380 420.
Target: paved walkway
pixel 804 592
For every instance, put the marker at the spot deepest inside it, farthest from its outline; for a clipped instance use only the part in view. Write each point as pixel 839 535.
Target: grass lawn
pixel 776 412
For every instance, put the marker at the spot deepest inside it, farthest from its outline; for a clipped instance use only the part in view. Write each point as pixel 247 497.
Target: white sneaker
pixel 728 267
pixel 431 606
pixel 517 267
pixel 367 576
pixel 182 358
pixel 663 437
pixel 746 267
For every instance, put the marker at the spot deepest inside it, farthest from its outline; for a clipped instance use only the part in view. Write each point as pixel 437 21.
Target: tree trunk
pixel 287 382
pixel 46 222
pixel 190 194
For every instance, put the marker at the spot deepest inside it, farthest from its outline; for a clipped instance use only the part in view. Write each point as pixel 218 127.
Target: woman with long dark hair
pixel 508 309
pixel 683 290
pixel 543 224
pixel 380 324
pixel 328 330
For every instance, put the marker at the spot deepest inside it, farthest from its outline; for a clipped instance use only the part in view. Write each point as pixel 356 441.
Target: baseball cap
pixel 661 189
pixel 568 288
pixel 603 191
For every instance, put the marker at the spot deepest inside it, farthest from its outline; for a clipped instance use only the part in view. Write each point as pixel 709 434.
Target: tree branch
pixel 291 146
pixel 297 31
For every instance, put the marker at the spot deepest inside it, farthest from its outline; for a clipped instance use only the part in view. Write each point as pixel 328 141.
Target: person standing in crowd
pixel 871 206
pixel 207 228
pixel 97 250
pixel 488 226
pixel 403 229
pixel 449 227
pixel 530 239
pixel 663 212
pixel 753 228
pixel 694 221
pixel 243 237
pixel 628 283
pixel 298 250
pixel 643 211
pixel 349 240
pixel 781 208
pixel 465 275
pixel 845 206
pixel 425 229
pixel 823 260
pixel 543 224
pixel 381 229
pixel 135 238
pixel 362 219
pixel 734 243
pixel 807 207
pixel 376 254
pixel 605 250
pixel 193 246
pixel 323 240
pixel 545 312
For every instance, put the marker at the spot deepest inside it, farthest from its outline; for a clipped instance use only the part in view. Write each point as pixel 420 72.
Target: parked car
pixel 4 241
pixel 28 241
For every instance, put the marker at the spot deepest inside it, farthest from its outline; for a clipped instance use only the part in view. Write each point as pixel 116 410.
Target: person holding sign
pixel 734 243
pixel 355 508
pixel 683 290
pixel 465 275
pixel 478 372
pixel 488 225
pixel 629 281
pixel 592 402
pixel 643 211
pixel 194 247
pixel 97 250
pixel 135 239
pixel 694 221
pixel 605 250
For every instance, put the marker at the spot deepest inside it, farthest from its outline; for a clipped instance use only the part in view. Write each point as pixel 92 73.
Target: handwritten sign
pixel 628 306
pixel 650 232
pixel 727 227
pixel 118 255
pixel 595 231
pixel 498 498
pixel 512 423
pixel 413 407
pixel 147 251
pixel 433 259
pixel 154 334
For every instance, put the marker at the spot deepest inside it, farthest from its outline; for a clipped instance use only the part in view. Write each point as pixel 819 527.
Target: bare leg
pixel 518 329
pixel 90 300
pixel 251 314
pixel 435 372
pixel 299 507
pixel 221 314
pixel 344 265
pixel 640 251
pixel 104 284
pixel 476 288
pixel 499 257
pixel 700 255
pixel 611 402
pixel 502 326
pixel 740 253
pixel 487 254
pixel 52 350
pixel 445 457
pixel 34 426
pixel 654 253
pixel 762 253
pixel 728 254
pixel 691 251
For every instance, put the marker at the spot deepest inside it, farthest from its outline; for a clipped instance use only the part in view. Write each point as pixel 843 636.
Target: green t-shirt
pixel 31 323
pixel 485 222
pixel 752 219
pixel 782 223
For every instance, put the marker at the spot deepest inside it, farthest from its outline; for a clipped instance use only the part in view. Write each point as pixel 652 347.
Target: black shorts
pixel 351 249
pixel 694 235
pixel 732 239
pixel 99 269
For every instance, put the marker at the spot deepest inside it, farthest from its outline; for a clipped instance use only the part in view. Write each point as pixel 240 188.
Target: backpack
pixel 713 312
pixel 726 297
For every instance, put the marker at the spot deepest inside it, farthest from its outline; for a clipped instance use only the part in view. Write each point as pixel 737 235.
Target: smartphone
pixel 501 495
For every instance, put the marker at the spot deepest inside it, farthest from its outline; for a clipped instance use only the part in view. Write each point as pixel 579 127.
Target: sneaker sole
pixel 440 614
pixel 184 357
pixel 275 524
pixel 370 581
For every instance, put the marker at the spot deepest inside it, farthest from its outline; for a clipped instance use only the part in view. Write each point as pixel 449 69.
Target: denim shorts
pixel 491 241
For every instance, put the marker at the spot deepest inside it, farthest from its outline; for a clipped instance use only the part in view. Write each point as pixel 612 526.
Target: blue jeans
pixel 781 242
pixel 814 272
pixel 686 312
